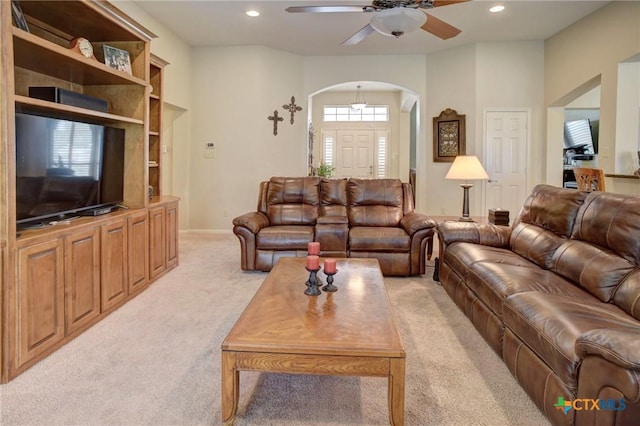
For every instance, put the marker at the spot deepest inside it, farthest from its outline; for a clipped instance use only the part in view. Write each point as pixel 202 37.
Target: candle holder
pixel 330 287
pixel 313 288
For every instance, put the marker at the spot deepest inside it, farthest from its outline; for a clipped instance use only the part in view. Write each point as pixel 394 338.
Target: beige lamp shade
pixel 467 167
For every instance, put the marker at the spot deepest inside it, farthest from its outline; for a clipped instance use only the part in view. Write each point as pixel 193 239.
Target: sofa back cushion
pixel 292 201
pixel 595 269
pixel 333 194
pixel 611 221
pixel 605 248
pixel 545 222
pixel 375 202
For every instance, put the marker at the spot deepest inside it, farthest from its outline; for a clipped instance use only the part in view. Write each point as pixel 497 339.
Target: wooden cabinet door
pixel 158 243
pixel 138 251
pixel 172 235
pixel 82 278
pixel 114 262
pixel 40 300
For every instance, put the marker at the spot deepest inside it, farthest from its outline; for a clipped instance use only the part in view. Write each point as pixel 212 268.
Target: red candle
pixel 313 263
pixel 329 266
pixel 314 248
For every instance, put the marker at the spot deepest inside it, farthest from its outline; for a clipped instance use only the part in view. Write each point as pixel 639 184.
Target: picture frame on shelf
pixel 448 136
pixel 18 17
pixel 117 58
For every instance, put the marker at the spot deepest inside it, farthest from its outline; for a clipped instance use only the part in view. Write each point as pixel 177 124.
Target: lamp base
pixel 465 219
pixel 465 203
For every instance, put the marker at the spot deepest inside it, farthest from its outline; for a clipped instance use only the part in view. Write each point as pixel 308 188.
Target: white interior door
pixel 507 136
pixel 354 153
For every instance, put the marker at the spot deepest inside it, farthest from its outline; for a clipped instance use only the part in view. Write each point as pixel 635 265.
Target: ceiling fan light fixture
pixel 398 21
pixel 360 102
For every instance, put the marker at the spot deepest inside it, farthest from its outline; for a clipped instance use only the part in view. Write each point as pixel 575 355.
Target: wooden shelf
pixel 63 278
pixel 39 55
pixel 622 176
pixel 39 105
pixel 156 71
pixel 97 21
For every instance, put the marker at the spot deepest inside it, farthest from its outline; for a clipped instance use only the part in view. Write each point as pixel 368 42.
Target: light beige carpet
pixel 156 361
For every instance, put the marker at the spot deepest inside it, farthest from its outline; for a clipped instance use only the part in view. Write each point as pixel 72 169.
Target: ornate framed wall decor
pixel 448 136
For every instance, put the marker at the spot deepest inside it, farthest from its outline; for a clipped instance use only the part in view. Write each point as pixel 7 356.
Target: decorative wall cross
pixel 275 120
pixel 292 108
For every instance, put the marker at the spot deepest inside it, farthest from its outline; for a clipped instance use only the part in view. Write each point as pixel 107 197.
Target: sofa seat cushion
pixel 550 324
pixel 493 282
pixel 287 237
pixel 459 256
pixel 374 238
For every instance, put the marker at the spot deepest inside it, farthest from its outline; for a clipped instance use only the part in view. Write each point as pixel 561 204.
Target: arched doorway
pixel 364 143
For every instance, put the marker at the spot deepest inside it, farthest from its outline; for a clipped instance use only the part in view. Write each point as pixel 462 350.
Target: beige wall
pixel 590 50
pixel 229 92
pixel 234 90
pixel 471 79
pixel 177 110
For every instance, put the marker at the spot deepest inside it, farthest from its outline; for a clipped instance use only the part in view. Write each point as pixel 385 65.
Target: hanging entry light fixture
pixel 360 103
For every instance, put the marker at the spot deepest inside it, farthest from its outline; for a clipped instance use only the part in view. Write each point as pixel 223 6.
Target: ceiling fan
pixel 392 18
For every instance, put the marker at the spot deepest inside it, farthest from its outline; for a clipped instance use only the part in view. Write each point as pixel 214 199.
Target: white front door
pixel 354 153
pixel 507 136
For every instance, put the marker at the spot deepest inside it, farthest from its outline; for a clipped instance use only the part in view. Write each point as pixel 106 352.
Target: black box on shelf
pixel 67 97
pixel 499 217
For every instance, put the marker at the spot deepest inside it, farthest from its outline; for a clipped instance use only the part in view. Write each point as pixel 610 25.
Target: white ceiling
pixel 224 23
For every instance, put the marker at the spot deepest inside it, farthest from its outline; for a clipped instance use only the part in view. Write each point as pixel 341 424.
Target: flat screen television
pixel 65 168
pixel 577 134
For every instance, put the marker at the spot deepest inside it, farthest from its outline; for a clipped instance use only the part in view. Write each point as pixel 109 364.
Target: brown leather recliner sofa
pixel 372 218
pixel 557 295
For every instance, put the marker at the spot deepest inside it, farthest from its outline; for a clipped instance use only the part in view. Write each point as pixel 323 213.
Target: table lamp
pixel 466 167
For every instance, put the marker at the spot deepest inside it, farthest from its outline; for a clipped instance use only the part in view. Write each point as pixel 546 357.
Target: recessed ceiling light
pixel 496 9
pixel 253 13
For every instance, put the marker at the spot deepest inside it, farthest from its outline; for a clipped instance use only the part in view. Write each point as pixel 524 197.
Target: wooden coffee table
pixel 351 332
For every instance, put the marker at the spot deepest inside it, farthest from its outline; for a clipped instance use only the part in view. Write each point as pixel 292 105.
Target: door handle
pixel 370 170
pixel 492 180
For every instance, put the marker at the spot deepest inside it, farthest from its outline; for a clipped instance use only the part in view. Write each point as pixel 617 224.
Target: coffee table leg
pixel 396 391
pixel 230 387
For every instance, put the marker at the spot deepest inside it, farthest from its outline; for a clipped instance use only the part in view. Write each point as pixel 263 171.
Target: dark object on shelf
pixel 499 217
pixel 67 97
pixel 98 211
pixel 18 17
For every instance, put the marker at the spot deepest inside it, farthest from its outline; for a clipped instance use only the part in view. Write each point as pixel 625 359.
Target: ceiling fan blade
pixel 324 9
pixel 438 3
pixel 440 28
pixel 363 33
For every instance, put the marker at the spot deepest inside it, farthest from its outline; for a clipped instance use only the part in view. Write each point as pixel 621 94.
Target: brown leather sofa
pixel 372 218
pixel 557 296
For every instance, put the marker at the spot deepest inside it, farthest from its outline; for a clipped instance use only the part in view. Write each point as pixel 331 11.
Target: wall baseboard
pixel 207 231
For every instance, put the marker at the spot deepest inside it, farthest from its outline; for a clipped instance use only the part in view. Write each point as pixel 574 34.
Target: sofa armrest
pixel 253 221
pixel 621 347
pixel 414 222
pixel 471 232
